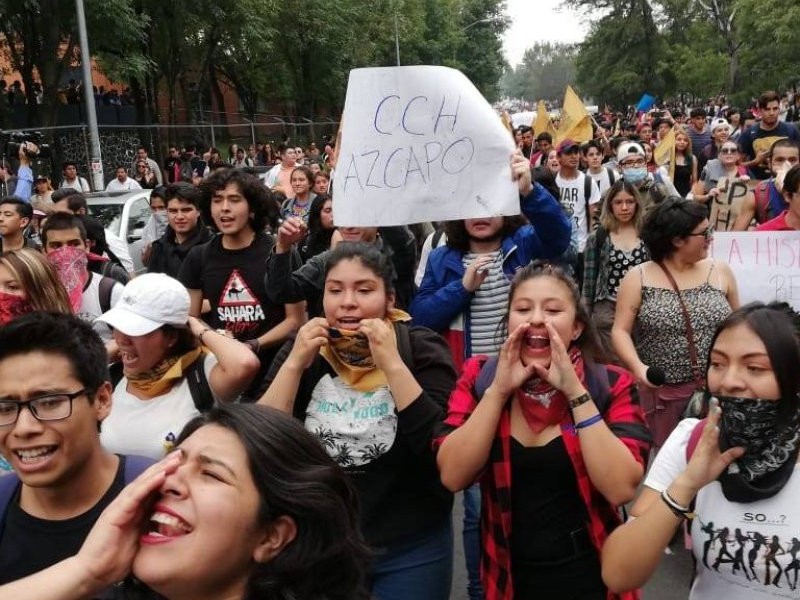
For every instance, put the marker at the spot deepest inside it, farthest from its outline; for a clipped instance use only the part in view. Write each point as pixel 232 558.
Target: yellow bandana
pixel 165 374
pixel 350 357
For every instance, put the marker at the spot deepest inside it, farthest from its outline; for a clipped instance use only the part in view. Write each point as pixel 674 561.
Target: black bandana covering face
pixel 771 449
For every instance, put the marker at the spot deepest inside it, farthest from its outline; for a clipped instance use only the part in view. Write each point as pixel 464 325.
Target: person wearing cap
pixel 653 187
pixel 159 347
pixel 41 199
pixel 579 196
pixel 720 133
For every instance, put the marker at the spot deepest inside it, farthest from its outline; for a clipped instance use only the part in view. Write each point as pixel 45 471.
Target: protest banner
pixel 724 208
pixel 766 264
pixel 420 143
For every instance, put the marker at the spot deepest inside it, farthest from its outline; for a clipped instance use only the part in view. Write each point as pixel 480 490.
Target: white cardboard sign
pixel 766 264
pixel 420 143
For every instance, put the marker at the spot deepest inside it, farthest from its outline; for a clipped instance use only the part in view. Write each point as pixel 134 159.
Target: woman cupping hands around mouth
pixel 373 389
pixel 562 436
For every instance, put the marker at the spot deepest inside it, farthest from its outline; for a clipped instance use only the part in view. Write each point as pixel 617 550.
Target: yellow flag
pixel 506 119
pixel 543 122
pixel 664 152
pixel 576 123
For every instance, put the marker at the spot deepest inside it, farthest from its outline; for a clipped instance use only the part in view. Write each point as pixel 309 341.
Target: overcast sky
pixel 539 20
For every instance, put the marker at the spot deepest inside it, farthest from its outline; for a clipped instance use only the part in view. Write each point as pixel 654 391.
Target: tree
pixel 40 39
pixel 545 71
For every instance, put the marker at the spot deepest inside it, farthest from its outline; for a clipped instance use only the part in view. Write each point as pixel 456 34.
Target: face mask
pixel 771 448
pixel 12 306
pixel 160 218
pixel 634 175
pixel 71 266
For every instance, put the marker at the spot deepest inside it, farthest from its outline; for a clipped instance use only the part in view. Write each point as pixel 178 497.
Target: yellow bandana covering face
pixel 165 374
pixel 349 355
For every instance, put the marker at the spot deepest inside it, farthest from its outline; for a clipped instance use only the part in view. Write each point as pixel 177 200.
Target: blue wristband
pixel 590 421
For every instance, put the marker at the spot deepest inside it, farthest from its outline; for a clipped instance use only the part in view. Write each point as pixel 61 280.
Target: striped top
pixel 488 306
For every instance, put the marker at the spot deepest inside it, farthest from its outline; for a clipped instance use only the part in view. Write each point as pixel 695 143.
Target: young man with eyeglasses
pixel 54 393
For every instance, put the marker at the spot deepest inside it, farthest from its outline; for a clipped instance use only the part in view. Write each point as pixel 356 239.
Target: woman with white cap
pixel 174 367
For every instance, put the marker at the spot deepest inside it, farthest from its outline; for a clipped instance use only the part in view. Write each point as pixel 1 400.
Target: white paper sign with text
pixel 766 264
pixel 420 144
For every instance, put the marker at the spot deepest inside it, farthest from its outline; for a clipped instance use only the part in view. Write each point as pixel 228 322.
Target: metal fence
pixel 118 143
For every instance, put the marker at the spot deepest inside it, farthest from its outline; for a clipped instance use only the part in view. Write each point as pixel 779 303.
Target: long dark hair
pixel 319 238
pixel 296 478
pixel 458 238
pixel 778 327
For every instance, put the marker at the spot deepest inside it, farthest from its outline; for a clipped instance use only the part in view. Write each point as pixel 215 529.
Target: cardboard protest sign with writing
pixel 420 144
pixel 726 206
pixel 766 264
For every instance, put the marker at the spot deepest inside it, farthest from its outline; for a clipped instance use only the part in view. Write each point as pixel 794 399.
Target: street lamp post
pixel 396 40
pixel 96 159
pixel 470 26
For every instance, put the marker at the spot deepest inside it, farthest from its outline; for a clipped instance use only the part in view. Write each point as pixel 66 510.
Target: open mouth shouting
pixel 165 526
pixel 537 342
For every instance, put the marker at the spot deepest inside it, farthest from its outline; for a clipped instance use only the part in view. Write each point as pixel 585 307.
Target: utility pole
pixel 95 160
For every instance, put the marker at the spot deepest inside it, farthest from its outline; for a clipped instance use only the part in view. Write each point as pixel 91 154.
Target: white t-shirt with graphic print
pixel 743 551
pixel 573 201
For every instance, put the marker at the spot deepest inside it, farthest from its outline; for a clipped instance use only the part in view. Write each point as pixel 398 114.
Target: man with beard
pixel 465 288
pixel 756 141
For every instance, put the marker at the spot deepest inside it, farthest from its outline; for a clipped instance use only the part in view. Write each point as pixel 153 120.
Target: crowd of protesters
pixel 286 407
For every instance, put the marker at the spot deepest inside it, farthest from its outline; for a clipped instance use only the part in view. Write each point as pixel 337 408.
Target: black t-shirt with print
pixel 30 544
pixel 233 283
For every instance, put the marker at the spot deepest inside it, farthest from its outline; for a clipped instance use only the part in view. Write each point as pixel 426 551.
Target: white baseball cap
pixel 148 302
pixel 720 122
pixel 627 149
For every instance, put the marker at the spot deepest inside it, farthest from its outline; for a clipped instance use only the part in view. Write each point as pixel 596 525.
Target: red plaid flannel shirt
pixel 623 416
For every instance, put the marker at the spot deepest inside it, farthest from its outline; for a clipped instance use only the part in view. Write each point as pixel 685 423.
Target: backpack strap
pixel 437 237
pixel 694 438
pixel 134 465
pixel 761 195
pixel 104 292
pixel 611 177
pixel 404 345
pixel 199 388
pixel 587 195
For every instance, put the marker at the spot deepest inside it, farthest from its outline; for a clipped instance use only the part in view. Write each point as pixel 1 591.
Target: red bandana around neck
pixel 543 405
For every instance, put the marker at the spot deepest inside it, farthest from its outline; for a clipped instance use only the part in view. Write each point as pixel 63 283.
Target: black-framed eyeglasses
pixel 728 150
pixel 51 407
pixel 707 233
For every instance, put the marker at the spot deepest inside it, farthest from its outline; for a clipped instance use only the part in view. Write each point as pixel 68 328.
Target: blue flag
pixel 645 103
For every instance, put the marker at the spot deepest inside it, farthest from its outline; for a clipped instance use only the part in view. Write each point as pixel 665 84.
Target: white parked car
pixel 124 214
